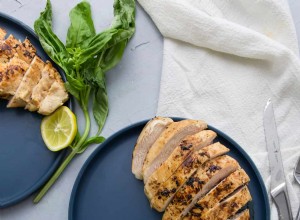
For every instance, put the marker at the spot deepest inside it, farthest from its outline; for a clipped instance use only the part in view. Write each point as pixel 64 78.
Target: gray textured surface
pixel 133 89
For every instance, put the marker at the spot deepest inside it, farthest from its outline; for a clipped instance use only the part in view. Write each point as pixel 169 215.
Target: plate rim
pixel 13 200
pixel 137 124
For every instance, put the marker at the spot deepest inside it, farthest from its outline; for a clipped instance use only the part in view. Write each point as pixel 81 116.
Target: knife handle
pixel 280 196
pixel 298 214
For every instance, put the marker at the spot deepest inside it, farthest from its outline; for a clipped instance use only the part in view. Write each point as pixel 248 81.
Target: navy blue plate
pixel 106 189
pixel 25 162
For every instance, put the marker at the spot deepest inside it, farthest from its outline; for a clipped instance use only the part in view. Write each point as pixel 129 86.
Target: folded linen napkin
pixel 222 61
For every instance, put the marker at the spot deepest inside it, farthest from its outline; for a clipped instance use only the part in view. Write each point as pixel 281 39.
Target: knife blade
pixel 279 191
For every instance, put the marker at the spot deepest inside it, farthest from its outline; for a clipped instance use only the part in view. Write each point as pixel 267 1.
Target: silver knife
pixel 279 191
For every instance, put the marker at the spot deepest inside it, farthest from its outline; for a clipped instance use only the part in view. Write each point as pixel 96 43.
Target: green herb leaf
pixel 112 56
pixel 124 11
pixel 100 107
pixel 82 27
pixel 89 141
pixel 50 42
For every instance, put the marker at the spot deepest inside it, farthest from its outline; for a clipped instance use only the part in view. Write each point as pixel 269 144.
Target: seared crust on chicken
pixel 21 74
pixel 200 183
pixel 167 141
pixel 229 206
pixel 159 199
pixel 29 81
pixel 7 49
pixel 182 151
pixel 11 75
pixel 244 215
pixel 146 139
pixel 12 46
pixel 227 186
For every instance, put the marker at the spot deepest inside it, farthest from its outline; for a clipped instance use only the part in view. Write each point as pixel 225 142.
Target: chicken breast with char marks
pixel 167 141
pixel 230 206
pixel 182 151
pixel 29 81
pixel 12 46
pixel 200 183
pixel 244 215
pixel 25 79
pixel 158 197
pixel 227 186
pixel 188 177
pixel 11 75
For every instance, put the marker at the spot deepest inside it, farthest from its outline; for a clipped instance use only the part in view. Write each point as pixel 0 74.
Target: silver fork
pixel 297 177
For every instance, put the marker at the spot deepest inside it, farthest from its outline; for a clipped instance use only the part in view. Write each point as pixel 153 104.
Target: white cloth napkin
pixel 222 61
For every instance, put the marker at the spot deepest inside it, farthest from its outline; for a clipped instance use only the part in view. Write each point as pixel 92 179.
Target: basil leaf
pixel 100 107
pixel 122 29
pixel 113 55
pixel 82 27
pixel 124 11
pixel 89 141
pixel 49 41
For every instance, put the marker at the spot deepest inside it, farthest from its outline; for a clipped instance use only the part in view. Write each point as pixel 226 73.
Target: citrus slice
pixel 59 129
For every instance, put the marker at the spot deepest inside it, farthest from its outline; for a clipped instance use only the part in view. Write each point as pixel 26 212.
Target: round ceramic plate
pixel 106 189
pixel 25 162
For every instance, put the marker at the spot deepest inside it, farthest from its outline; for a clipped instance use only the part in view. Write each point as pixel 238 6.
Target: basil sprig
pixel 85 58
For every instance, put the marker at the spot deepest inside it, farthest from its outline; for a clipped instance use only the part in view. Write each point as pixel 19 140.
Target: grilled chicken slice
pixel 227 186
pixel 29 81
pixel 148 136
pixel 11 75
pixel 230 206
pixel 26 51
pixel 21 80
pixel 167 141
pixel 2 34
pixel 7 49
pixel 40 91
pixel 200 183
pixel 161 197
pixel 55 98
pixel 182 151
pixel 244 215
pixel 12 46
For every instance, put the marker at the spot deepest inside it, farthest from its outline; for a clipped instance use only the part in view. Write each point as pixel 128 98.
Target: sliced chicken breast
pixel 227 186
pixel 11 75
pixel 230 206
pixel 40 91
pixel 160 197
pixel 146 139
pixel 167 141
pixel 7 49
pixel 200 183
pixel 29 81
pixel 55 98
pixel 182 151
pixel 26 51
pixel 12 46
pixel 244 215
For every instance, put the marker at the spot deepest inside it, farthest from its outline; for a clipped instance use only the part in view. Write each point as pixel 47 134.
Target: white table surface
pixel 133 88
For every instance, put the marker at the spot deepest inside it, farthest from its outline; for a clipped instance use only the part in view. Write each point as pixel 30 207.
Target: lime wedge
pixel 59 129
